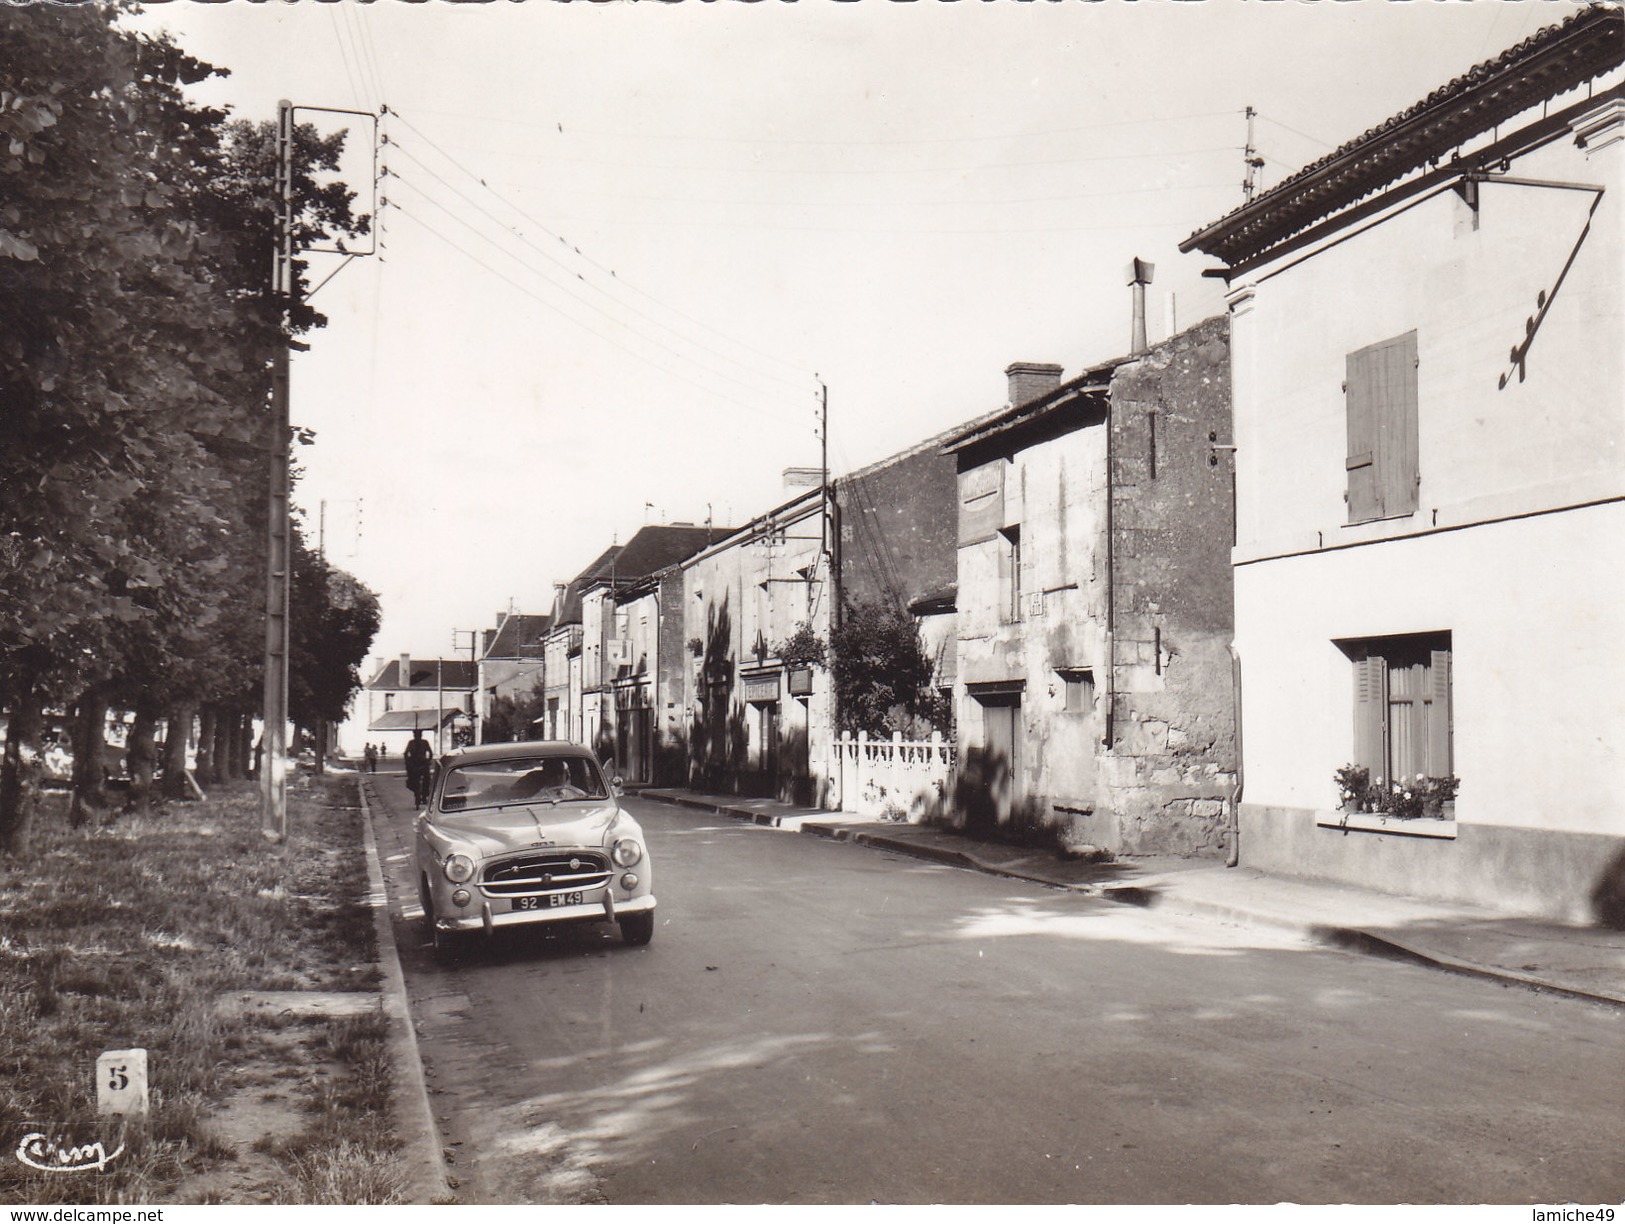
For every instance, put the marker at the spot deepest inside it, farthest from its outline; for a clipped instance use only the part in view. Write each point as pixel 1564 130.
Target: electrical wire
pixel 736 202
pixel 344 54
pixel 708 138
pixel 551 257
pixel 801 368
pixel 365 29
pixel 528 292
pixel 1312 139
pixel 461 220
pixel 358 45
pixel 856 172
pixel 567 289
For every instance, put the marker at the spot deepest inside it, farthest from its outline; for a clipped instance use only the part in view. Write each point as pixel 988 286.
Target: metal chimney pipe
pixel 1139 276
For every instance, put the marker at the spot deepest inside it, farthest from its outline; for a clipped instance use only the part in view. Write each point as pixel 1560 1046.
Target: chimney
pixel 1139 276
pixel 406 671
pixel 1031 379
pixel 803 478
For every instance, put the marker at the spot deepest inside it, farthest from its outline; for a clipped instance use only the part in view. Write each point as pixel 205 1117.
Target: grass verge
pixel 131 934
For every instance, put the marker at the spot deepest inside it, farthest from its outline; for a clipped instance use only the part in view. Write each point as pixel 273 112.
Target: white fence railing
pixel 897 778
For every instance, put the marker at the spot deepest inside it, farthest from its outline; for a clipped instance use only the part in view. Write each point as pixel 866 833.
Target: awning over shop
pixel 414 720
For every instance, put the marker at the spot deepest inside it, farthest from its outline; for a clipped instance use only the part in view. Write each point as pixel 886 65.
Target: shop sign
pixel 762 688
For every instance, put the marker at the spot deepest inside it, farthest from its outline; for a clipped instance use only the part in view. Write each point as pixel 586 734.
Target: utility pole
pixel 1253 161
pixel 273 768
pixel 474 662
pixel 823 467
pixel 273 777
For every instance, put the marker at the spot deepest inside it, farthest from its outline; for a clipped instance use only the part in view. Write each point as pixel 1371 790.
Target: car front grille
pixel 544 873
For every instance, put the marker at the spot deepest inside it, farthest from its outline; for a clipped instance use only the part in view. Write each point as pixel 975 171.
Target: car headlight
pixel 459 867
pixel 626 852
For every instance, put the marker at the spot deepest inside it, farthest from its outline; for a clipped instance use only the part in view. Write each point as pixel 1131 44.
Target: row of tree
pixel 137 328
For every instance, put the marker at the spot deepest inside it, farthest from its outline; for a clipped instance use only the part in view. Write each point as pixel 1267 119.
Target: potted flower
pixel 1424 797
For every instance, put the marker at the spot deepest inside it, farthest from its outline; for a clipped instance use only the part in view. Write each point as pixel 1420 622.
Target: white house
pixel 1430 459
pixel 435 696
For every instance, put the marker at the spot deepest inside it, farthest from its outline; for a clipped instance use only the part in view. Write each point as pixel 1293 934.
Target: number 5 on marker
pixel 121 1082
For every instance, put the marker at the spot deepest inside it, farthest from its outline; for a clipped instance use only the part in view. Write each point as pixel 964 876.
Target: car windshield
pixel 486 784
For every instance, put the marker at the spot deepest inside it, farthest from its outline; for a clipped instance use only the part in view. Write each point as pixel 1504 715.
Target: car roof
pixel 521 750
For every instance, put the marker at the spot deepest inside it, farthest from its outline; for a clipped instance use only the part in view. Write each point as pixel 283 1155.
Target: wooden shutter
pixel 981 503
pixel 1359 393
pixel 1397 473
pixel 1371 714
pixel 1439 729
pixel 1380 397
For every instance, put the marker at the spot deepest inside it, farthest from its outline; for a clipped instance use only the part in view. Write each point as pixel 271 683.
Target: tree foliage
pixel 513 716
pixel 136 332
pixel 882 672
pixel 332 620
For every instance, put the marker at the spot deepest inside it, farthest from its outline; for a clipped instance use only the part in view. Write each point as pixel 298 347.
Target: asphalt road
pixel 820 1022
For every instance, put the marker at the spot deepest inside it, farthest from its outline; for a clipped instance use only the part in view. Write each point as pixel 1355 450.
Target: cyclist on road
pixel 419 767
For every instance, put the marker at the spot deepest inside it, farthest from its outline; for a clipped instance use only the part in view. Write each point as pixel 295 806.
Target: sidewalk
pixel 1586 962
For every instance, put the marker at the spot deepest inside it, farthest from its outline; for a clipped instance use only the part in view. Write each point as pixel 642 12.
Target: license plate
pixel 550 901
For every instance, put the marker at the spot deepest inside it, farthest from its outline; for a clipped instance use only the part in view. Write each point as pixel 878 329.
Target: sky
pixel 624 247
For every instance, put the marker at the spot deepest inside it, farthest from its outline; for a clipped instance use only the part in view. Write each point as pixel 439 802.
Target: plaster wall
pixel 1538 673
pixel 1494 436
pixel 1054 490
pixel 742 599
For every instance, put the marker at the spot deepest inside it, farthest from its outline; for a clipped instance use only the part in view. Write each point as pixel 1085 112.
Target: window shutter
pixel 1371 714
pixel 1440 762
pixel 1359 392
pixel 1397 469
pixel 1381 400
pixel 981 503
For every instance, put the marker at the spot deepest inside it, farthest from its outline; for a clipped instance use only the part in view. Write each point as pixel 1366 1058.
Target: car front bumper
pixel 606 909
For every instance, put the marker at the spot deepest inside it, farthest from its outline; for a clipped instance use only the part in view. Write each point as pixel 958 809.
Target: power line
pixel 855 172
pixel 564 288
pixel 1312 139
pixel 564 314
pixel 909 231
pixel 366 67
pixel 551 257
pixel 344 54
pixel 372 51
pixel 619 280
pixel 736 202
pixel 709 138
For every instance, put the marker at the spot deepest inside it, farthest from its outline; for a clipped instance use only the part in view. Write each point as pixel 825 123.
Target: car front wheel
pixel 638 928
pixel 448 945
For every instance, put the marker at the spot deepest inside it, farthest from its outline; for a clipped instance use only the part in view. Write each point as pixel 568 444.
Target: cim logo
pixel 55 1154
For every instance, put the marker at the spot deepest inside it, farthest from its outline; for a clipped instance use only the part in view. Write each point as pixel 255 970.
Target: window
pixel 1010 573
pixel 1402 720
pixel 1380 399
pixel 1080 690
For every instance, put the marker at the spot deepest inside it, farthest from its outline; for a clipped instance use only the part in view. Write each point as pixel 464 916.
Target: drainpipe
pixel 1111 601
pixel 1235 794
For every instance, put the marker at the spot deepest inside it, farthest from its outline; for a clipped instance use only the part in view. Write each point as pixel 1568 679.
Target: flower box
pixel 1382 822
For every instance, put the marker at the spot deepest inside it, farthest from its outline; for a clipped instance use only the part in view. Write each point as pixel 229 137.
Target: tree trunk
pixel 89 740
pixel 227 756
pixel 208 720
pixel 245 744
pixel 322 727
pixel 18 777
pixel 142 755
pixel 180 728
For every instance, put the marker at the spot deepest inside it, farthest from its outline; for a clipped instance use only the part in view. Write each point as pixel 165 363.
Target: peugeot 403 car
pixel 530 833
